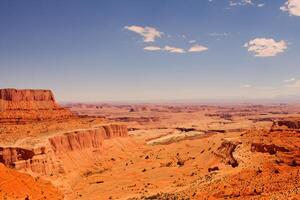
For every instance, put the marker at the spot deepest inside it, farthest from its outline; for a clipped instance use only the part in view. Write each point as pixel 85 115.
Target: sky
pixel 141 50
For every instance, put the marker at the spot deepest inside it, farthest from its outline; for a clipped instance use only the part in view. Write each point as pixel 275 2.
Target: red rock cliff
pixel 82 139
pixel 23 106
pixel 26 95
pixel 41 159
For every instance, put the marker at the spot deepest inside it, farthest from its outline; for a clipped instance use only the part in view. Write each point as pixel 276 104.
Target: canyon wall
pixel 82 139
pixel 26 106
pixel 41 154
pixel 42 158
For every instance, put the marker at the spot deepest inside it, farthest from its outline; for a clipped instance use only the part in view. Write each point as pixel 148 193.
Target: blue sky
pixel 98 50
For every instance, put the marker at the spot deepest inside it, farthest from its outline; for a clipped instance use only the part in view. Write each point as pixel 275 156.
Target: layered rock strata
pixel 42 157
pixel 24 106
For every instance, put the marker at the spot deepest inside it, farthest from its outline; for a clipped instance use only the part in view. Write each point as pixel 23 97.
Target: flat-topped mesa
pixel 27 105
pixel 27 99
pixel 26 95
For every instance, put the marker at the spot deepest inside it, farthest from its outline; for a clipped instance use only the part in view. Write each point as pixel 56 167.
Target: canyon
pixel 33 147
pixel 146 151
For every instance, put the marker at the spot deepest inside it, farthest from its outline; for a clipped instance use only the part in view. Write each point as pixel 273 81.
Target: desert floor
pixel 175 152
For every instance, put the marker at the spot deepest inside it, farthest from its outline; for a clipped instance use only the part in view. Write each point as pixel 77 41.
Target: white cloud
pixel 152 48
pixel 192 41
pixel 148 33
pixel 245 3
pixel 289 80
pixel 174 49
pixel 166 48
pixel 240 2
pixel 266 47
pixel 246 86
pixel 292 6
pixel 197 48
pixel 260 5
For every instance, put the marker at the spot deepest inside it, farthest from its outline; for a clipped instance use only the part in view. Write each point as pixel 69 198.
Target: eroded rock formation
pixel 23 106
pixel 225 151
pixel 290 124
pixel 81 139
pixel 42 159
pixel 267 148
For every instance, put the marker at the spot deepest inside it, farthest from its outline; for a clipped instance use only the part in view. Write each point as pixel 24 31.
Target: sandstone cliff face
pixel 77 140
pixel 82 139
pixel 24 106
pixel 37 160
pixel 26 95
pixel 9 155
pixel 43 159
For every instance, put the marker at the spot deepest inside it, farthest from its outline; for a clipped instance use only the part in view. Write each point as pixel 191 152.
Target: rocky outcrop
pixel 42 159
pixel 267 148
pixel 290 124
pixel 37 160
pixel 25 106
pixel 10 155
pixel 225 151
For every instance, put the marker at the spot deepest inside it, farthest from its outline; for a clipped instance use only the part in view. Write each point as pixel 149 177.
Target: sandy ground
pixel 15 185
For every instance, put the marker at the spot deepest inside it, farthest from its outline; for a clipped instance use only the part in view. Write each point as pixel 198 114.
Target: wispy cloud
pixel 289 80
pixel 152 48
pixel 219 34
pixel 170 49
pixel 149 34
pixel 240 2
pixel 245 3
pixel 292 7
pixel 266 47
pixel 197 48
pixel 260 5
pixel 174 49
